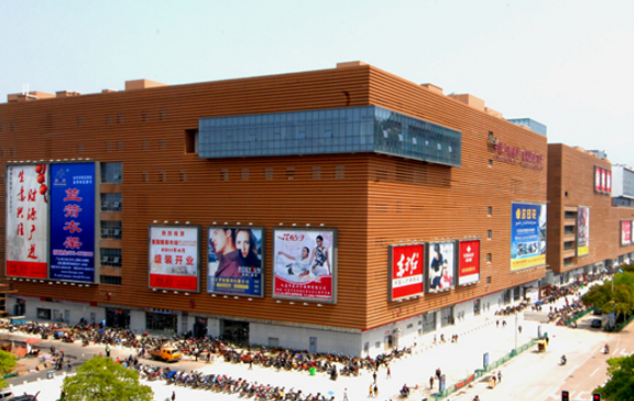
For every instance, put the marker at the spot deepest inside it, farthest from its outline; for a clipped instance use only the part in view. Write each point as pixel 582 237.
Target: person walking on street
pixel 345 394
pixel 431 382
pixel 376 391
pixel 374 377
pixel 438 373
pixel 499 376
pixel 519 328
pixel 389 373
pixel 107 351
pixel 173 395
pixel 371 392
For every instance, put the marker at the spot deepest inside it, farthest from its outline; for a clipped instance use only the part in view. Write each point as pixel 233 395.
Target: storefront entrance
pixel 118 318
pixel 163 323
pixel 200 327
pixel 232 330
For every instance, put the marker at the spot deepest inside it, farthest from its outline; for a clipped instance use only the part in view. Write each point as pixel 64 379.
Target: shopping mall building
pixel 342 210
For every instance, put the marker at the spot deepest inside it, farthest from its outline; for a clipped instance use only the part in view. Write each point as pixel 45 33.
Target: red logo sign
pixel 469 262
pixel 407 271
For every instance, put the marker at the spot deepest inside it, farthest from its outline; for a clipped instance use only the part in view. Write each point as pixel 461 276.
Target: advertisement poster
pixel 73 222
pixel 173 258
pixel 468 262
pixel 27 221
pixel 583 231
pixel 406 271
pixel 441 267
pixel 305 264
pixel 626 232
pixel 528 235
pixel 234 261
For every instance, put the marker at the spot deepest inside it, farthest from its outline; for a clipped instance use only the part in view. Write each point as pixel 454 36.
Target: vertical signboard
pixel 602 180
pixel 73 199
pixel 406 271
pixel 626 232
pixel 305 264
pixel 26 228
pixel 441 266
pixel 174 258
pixel 528 235
pixel 583 231
pixel 234 261
pixel 468 262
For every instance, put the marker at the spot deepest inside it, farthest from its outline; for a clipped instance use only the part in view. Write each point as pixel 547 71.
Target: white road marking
pixel 535 388
pixel 595 371
pixel 624 352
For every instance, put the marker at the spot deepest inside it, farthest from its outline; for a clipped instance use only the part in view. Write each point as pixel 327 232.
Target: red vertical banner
pixel 597 178
pixel 469 262
pixel 406 271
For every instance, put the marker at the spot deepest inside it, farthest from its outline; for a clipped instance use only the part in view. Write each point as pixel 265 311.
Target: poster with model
pixel 528 235
pixel 583 231
pixel 468 262
pixel 27 220
pixel 406 271
pixel 234 261
pixel 626 232
pixel 305 264
pixel 173 258
pixel 441 266
pixel 73 223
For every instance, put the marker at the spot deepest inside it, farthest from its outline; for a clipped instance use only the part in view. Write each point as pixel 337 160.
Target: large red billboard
pixel 406 271
pixel 469 262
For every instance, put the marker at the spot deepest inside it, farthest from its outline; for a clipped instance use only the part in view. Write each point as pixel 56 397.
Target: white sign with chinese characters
pixel 27 221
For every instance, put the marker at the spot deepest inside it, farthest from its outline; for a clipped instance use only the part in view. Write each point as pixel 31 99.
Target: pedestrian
pixel 173 395
pixel 494 378
pixel 476 398
pixel 371 392
pixel 374 377
pixel 209 356
pixel 497 324
pixel 389 373
pixel 251 365
pixel 431 382
pixel 504 323
pixel 345 394
pixel 519 328
pixel 376 391
pixel 107 351
pixel 499 376
pixel 438 373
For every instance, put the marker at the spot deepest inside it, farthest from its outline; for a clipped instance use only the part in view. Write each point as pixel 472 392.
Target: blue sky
pixel 566 64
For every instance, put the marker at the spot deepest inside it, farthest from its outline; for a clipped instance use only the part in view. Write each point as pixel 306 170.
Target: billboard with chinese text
pixel 234 261
pixel 27 220
pixel 528 235
pixel 174 258
pixel 583 231
pixel 72 226
pixel 441 266
pixel 468 262
pixel 602 180
pixel 406 271
pixel 626 232
pixel 305 264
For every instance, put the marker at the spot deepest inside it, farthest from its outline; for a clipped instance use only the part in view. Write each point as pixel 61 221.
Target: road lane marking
pixel 623 352
pixel 595 371
pixel 535 388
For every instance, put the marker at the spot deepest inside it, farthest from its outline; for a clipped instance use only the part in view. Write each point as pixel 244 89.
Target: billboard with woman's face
pixel 234 261
pixel 305 264
pixel 441 266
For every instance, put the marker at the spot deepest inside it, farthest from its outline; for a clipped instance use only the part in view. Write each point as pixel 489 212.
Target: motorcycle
pixel 563 360
pixel 606 349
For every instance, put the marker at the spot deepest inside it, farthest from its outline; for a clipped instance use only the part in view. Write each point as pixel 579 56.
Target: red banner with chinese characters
pixel 318 288
pixel 26 269
pixel 407 271
pixel 469 262
pixel 183 283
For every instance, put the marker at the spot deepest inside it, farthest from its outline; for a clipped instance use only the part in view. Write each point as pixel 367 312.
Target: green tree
pixel 620 384
pixel 7 363
pixel 105 380
pixel 598 295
